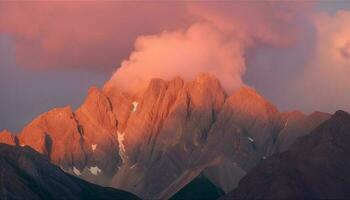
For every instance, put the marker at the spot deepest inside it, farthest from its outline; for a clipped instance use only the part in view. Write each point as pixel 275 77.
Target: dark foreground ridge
pixel 26 174
pixel 317 166
pixel 199 188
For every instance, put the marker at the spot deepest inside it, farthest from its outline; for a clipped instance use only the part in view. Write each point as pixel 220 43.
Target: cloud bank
pixel 216 43
pixel 324 83
pixel 74 34
pixel 297 57
pixel 200 48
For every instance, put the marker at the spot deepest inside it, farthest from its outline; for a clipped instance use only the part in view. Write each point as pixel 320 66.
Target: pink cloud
pixel 186 53
pixel 82 34
pixel 345 50
pixel 216 43
pixel 324 82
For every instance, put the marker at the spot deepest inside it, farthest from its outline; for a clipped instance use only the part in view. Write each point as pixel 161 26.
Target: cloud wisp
pixel 216 43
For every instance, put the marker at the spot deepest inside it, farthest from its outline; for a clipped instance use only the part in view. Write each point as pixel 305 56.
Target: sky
pixel 296 54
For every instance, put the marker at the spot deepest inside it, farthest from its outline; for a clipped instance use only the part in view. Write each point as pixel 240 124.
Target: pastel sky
pixel 295 54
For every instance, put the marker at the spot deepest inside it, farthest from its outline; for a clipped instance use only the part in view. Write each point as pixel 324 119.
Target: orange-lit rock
pixel 171 121
pixel 248 124
pixel 154 141
pixel 121 102
pixel 8 138
pixel 99 127
pixel 58 135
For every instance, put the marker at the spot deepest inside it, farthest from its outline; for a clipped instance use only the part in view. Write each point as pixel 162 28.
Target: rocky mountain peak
pixel 7 137
pixel 332 132
pixel 173 128
pixel 206 91
pixel 249 99
pixel 207 80
pixel 99 127
pixel 341 115
pixel 98 108
pixel 56 134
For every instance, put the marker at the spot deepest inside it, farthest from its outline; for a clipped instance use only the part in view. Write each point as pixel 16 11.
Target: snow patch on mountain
pixel 121 146
pixel 285 124
pixel 76 171
pixel 93 147
pixel 95 170
pixel 134 106
pixel 250 139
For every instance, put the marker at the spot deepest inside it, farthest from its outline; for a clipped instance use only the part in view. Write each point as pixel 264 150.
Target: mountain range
pixel 155 141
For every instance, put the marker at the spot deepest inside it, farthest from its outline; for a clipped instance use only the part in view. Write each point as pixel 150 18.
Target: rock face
pixel 225 174
pixel 82 142
pixel 25 174
pixel 157 140
pixel 58 135
pixel 162 136
pixel 249 125
pixel 315 167
pixel 7 137
pixel 100 140
pixel 296 125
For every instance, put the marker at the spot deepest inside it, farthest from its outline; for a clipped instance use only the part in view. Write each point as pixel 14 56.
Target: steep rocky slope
pixel 8 138
pixel 57 135
pixel 25 174
pixel 155 141
pixel 315 167
pixel 296 125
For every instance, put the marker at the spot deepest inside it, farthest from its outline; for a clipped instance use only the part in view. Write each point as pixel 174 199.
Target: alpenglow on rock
pixel 157 140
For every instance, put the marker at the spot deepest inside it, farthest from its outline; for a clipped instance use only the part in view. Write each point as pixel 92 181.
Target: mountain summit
pixel 157 140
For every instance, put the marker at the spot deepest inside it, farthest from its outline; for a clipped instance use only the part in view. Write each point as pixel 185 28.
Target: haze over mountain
pixel 155 141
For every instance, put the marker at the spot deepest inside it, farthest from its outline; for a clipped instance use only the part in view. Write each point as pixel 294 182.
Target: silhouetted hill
pixel 317 166
pixel 25 174
pixel 199 188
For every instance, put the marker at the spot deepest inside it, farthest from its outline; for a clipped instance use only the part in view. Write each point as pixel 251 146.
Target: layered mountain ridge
pixel 155 141
pixel 315 167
